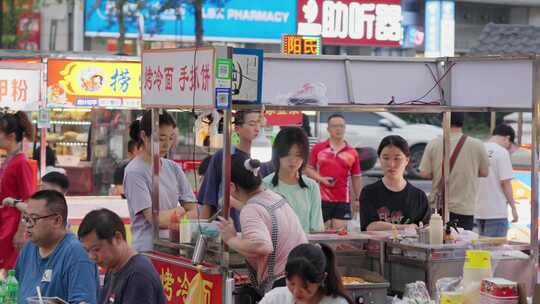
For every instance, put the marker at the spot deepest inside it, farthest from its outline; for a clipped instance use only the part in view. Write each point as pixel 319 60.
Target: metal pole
pixel 226 179
pixel 43 152
pixel 535 149
pixel 317 124
pixel 154 150
pixel 348 76
pixel 492 122
pixel 446 158
pixel 520 128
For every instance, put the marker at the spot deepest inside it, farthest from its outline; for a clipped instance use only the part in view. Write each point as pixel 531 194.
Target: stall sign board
pixel 247 76
pixel 178 77
pixel 20 89
pixel 301 45
pixel 283 118
pixel 177 280
pixel 72 84
pixel 352 22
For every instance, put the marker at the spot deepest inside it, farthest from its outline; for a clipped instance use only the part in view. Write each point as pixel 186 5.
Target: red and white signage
pixel 178 77
pixel 20 86
pixel 352 22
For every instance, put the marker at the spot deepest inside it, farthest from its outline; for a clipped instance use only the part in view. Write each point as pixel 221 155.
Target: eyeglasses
pixel 30 221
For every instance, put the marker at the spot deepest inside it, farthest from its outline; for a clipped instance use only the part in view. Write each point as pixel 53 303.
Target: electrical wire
pixel 418 101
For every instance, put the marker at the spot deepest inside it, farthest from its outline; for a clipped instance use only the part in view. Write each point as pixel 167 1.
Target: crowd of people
pixel 273 207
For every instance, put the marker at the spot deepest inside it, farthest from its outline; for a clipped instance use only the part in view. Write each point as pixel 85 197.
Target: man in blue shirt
pixel 53 258
pixel 131 277
pixel 247 125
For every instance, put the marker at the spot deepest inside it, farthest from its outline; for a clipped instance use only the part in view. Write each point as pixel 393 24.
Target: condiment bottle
pixel 436 229
pixel 185 230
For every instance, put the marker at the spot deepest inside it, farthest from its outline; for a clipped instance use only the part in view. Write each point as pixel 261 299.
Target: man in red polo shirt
pixel 331 163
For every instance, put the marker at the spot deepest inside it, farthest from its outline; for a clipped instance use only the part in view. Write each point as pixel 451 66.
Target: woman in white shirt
pixel 312 278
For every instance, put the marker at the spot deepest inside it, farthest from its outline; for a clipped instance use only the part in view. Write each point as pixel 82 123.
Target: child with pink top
pixel 270 227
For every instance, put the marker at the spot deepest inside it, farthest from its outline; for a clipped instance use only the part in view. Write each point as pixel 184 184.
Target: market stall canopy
pixel 383 81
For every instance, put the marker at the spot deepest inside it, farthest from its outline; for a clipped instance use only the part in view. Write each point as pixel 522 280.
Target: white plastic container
pixel 436 230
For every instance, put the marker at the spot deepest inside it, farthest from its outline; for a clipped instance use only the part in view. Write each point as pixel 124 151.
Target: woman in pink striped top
pixel 270 227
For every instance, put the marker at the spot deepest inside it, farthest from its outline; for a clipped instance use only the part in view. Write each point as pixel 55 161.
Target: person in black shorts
pixel 393 201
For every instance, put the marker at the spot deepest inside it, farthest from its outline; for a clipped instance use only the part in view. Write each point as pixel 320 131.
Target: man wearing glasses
pixel 331 164
pixel 53 258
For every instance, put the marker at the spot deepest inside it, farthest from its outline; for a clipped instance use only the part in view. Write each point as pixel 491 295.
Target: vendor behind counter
pixel 262 211
pixel 393 201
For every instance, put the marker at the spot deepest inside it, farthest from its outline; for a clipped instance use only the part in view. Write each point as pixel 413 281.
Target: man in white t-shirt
pixel 495 190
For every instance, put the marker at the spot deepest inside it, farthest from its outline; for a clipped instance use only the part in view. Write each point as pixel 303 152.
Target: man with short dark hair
pixel 53 258
pixel 331 164
pixel 247 125
pixel 55 181
pixel 495 192
pixel 471 163
pixel 130 278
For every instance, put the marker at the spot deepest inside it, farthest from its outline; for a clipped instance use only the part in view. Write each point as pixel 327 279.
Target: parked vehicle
pixel 366 129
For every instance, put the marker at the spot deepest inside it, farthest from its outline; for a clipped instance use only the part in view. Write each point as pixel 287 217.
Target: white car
pixel 367 129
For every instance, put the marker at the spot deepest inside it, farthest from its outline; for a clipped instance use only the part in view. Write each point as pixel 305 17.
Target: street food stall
pixel 90 101
pixel 355 84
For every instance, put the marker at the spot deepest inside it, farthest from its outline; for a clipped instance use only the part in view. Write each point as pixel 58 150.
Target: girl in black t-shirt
pixel 392 200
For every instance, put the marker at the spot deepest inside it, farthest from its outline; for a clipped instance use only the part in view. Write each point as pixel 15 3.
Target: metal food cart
pixel 368 84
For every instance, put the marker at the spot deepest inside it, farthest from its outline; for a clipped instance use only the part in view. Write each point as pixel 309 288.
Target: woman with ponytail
pixel 289 156
pixel 270 228
pixel 16 182
pixel 312 278
pixel 174 187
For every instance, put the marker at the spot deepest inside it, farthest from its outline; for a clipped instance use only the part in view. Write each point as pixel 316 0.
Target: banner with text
pixel 109 84
pixel 231 20
pixel 178 77
pixel 20 86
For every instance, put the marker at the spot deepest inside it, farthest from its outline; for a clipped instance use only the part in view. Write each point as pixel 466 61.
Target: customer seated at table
pixel 53 258
pixel 289 157
pixel 312 277
pixel 393 201
pixel 270 228
pixel 131 277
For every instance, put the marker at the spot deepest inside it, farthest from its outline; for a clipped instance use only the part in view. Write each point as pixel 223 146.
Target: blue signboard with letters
pixel 262 21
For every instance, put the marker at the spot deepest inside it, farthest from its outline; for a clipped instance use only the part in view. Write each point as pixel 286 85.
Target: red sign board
pixel 283 118
pixel 352 22
pixel 178 280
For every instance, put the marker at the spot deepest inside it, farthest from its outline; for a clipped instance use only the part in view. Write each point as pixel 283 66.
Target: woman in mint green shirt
pixel 289 156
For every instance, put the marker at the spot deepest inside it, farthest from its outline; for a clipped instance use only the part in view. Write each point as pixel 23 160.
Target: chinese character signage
pixel 20 86
pixel 183 284
pixel 178 77
pixel 352 22
pixel 253 21
pixel 301 45
pixel 93 84
pixel 283 118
